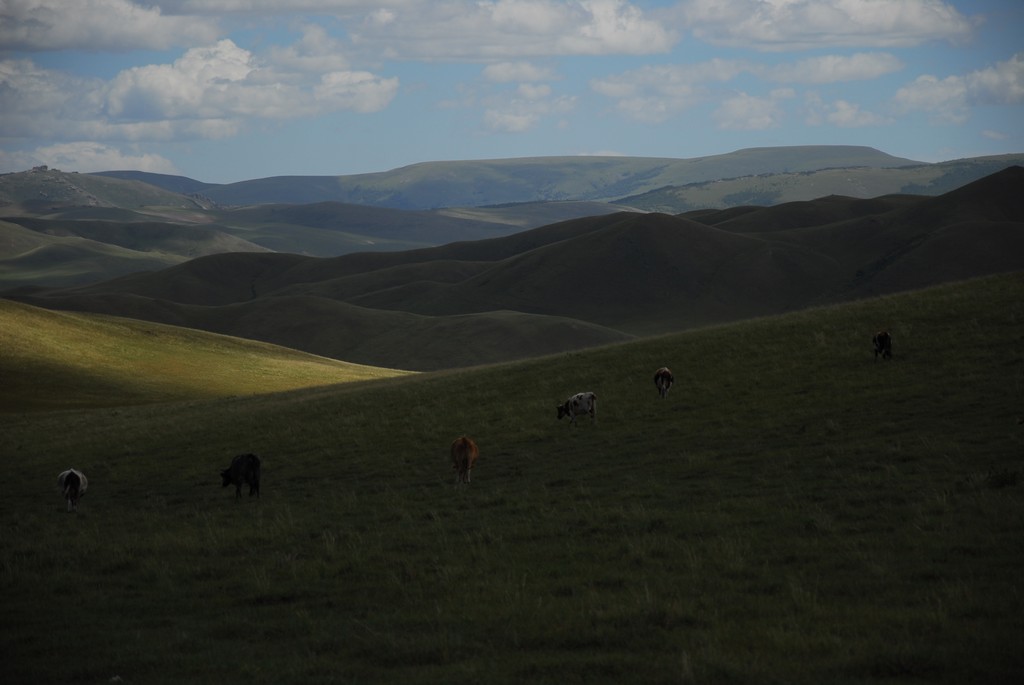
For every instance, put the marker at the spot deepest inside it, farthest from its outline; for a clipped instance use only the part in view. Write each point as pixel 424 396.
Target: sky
pixel 230 90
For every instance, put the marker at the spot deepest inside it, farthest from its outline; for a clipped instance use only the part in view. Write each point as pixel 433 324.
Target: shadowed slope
pixel 643 273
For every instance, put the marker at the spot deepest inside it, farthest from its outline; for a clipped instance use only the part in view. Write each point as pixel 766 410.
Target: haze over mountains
pixel 430 185
pixel 63 229
pixel 579 282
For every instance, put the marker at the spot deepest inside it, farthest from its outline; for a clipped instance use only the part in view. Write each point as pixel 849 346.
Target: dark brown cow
pixel 245 468
pixel 464 455
pixel 883 344
pixel 663 380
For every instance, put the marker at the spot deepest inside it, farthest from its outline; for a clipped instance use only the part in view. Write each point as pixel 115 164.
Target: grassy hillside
pixel 51 360
pixel 42 190
pixel 60 253
pixel 754 188
pixel 430 185
pixel 794 512
pixel 30 258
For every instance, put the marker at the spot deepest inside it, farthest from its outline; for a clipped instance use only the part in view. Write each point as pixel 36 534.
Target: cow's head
pixel 563 410
pixel 225 477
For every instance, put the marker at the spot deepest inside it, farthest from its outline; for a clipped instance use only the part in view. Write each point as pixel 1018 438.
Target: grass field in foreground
pixel 61 360
pixel 794 512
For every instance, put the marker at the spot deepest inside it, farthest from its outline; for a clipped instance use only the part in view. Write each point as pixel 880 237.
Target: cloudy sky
pixel 227 90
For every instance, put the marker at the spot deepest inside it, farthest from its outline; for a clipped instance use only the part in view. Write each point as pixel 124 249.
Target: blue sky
pixel 228 90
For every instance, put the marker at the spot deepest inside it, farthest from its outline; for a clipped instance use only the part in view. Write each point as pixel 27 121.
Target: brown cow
pixel 663 380
pixel 464 455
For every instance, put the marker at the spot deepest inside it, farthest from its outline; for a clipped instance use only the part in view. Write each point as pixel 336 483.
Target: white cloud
pixel 359 91
pixel 509 29
pixel 752 113
pixel 316 51
pixel 840 113
pixel 507 72
pixel 772 25
pixel 834 68
pixel 523 109
pixel 204 83
pixel 950 99
pixel 85 157
pixel 654 94
pixel 510 122
pixel 849 115
pixel 96 25
pixel 210 92
pixel 994 135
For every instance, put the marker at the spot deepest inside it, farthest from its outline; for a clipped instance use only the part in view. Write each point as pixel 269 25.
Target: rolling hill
pixel 579 283
pixel 60 360
pixel 474 200
pixel 778 188
pixel 75 236
pixel 430 185
pixel 794 512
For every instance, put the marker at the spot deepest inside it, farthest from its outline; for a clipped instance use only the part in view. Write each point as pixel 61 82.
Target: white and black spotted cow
pixel 72 484
pixel 579 404
pixel 663 380
pixel 882 342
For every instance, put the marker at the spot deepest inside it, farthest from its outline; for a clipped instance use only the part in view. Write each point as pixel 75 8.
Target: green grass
pixel 794 512
pixel 59 360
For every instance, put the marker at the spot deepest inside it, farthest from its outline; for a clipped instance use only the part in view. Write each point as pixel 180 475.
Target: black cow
pixel 883 344
pixel 245 468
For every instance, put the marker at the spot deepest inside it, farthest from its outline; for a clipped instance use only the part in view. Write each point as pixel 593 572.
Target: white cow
pixel 577 405
pixel 72 484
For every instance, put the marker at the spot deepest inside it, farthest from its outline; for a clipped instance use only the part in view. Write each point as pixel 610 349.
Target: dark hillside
pixel 970 231
pixel 210 281
pixel 624 274
pixel 999 197
pixel 791 215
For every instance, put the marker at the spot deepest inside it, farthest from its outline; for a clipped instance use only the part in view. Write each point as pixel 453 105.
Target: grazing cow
pixel 577 405
pixel 663 380
pixel 245 468
pixel 464 455
pixel 883 345
pixel 72 484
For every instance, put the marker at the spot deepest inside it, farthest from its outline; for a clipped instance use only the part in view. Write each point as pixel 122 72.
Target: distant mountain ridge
pixel 581 282
pixel 430 185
